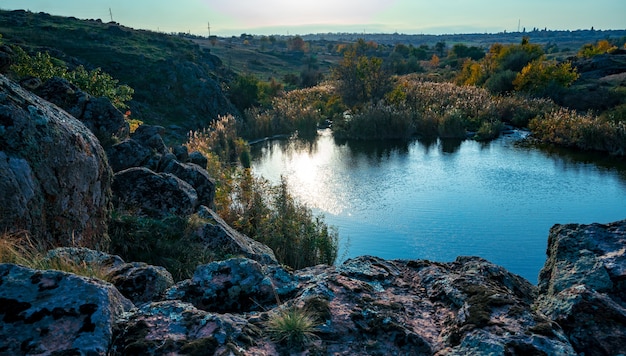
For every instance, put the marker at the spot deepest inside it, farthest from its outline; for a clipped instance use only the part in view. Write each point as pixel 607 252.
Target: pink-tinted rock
pixel 140 282
pixel 235 285
pixel 52 312
pixel 173 328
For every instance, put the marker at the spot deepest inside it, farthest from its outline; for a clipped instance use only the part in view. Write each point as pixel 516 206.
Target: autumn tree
pixel 361 78
pixel 297 44
pixel 540 75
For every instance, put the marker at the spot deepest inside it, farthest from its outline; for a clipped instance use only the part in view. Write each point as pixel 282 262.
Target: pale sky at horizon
pixel 234 17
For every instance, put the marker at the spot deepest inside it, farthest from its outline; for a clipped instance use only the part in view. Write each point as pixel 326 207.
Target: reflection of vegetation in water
pixel 374 152
pixel 572 159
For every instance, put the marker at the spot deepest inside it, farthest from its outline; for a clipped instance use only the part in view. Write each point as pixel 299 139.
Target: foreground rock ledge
pixel 366 306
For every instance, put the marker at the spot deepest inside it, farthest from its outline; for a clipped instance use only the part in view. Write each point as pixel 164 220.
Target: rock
pixel 55 180
pixel 151 137
pixel 583 285
pixel 140 282
pixel 198 158
pixel 218 236
pixel 181 153
pixel 52 312
pixel 235 285
pixel 173 328
pixel 98 114
pixel 81 255
pixel 197 177
pixel 128 154
pixel 6 54
pixel 469 306
pixel 154 194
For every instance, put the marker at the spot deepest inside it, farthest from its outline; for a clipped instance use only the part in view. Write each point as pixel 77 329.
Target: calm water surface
pixel 439 200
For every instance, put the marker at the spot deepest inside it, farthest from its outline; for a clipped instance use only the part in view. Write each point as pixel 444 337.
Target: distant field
pixel 264 64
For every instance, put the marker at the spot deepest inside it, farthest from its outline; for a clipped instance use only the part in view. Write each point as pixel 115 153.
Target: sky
pixel 281 17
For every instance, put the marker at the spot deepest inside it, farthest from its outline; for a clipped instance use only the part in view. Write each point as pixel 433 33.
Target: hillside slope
pixel 176 82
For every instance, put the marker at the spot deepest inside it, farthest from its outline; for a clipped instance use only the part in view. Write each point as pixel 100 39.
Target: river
pixel 441 199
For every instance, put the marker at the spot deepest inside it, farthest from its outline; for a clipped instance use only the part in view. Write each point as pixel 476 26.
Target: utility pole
pixel 111 14
pixel 519 22
pixel 209 26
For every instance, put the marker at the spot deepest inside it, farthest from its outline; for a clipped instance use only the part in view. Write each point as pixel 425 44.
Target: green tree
pixel 361 78
pixel 244 91
pixel 540 75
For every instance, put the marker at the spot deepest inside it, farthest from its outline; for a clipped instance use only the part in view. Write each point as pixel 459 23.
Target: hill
pixel 176 83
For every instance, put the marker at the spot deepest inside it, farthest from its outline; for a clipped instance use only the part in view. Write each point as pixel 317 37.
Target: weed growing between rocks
pixel 292 327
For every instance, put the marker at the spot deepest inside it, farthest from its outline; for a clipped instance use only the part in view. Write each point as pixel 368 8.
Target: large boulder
pixel 137 281
pixel 98 114
pixel 56 313
pixel 151 137
pixel 196 176
pixel 55 179
pixel 235 285
pixel 221 238
pixel 140 282
pixel 583 285
pixel 175 328
pixel 153 194
pixel 128 154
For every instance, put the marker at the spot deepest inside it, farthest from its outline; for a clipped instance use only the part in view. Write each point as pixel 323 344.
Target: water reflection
pixel 440 199
pixel 374 152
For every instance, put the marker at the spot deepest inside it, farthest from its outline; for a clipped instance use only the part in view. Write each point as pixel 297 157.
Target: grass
pixel 292 327
pixel 169 242
pixel 19 249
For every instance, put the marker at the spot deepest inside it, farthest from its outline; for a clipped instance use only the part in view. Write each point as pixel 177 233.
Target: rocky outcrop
pixel 365 306
pixel 236 285
pixel 55 180
pixel 469 306
pixel 583 285
pixel 98 114
pixel 218 236
pixel 145 156
pixel 174 327
pixel 153 194
pixel 52 312
pixel 140 282
pixel 196 176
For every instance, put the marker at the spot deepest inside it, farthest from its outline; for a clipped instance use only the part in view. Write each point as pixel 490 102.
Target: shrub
pixel 378 121
pixel 300 111
pixel 268 214
pixel 169 242
pixel 292 327
pixel 583 131
pixel 244 91
pixel 601 47
pixel 95 82
pixel 489 130
pixel 298 238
